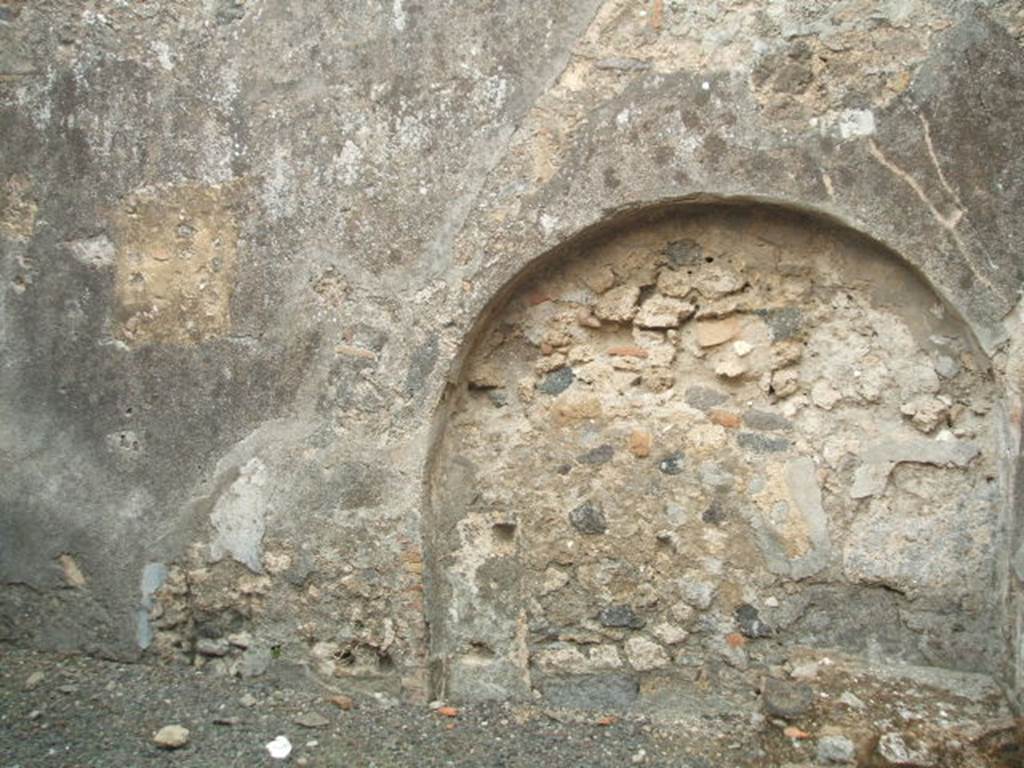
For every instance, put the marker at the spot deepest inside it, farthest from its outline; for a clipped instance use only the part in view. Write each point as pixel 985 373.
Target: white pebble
pixel 279 748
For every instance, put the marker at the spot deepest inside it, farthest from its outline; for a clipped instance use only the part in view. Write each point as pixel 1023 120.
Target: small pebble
pixel 279 748
pixel 171 737
pixel 34 681
pixel 312 720
pixel 342 702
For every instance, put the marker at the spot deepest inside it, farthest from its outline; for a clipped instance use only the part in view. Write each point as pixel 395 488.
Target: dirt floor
pixel 75 711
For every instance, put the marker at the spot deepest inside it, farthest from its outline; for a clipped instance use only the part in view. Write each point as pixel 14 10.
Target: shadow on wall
pixel 699 439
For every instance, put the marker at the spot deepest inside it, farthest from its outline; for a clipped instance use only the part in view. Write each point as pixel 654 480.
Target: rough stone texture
pixel 836 749
pixel 787 700
pixel 894 750
pixel 246 248
pixel 853 502
pixel 171 737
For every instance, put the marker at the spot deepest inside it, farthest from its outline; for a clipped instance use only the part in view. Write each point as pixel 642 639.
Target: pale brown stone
pixel 659 379
pixel 587 320
pixel 575 407
pixel 599 279
pixel 663 312
pixel 72 573
pixel 640 443
pixel 627 351
pixel 675 283
pixel 619 304
pixel 711 333
pixel 485 375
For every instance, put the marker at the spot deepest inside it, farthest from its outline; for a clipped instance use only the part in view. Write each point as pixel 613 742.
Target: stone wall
pixel 708 438
pixel 248 247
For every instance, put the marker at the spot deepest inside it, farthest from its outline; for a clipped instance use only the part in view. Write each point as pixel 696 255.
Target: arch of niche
pixel 690 447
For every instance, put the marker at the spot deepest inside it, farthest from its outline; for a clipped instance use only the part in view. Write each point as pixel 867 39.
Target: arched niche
pixel 692 443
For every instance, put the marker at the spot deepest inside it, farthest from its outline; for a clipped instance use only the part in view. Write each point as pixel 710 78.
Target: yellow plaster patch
pixel 17 209
pixel 176 260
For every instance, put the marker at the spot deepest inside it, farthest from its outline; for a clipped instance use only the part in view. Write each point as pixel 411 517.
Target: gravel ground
pixel 76 711
pixel 86 712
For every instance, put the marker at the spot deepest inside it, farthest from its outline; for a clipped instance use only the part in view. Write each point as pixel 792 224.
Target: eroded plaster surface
pixel 261 235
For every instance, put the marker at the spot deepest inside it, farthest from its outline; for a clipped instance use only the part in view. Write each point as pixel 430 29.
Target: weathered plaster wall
pixel 245 244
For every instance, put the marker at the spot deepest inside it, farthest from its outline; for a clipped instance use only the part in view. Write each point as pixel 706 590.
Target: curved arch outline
pixel 610 222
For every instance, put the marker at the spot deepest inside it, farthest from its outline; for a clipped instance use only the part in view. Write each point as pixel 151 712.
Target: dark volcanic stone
pixel 703 398
pixel 600 455
pixel 786 700
pixel 421 363
pixel 762 443
pixel 557 381
pixel 620 616
pixel 714 514
pixel 750 623
pixel 588 518
pixel 765 421
pixel 784 322
pixel 672 464
pixel 684 253
pixel 609 691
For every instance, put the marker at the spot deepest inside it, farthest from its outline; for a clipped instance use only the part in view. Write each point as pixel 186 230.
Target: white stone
pixel 713 282
pixel 565 659
pixel 279 748
pixel 238 518
pixel 96 252
pixel 731 368
pixel 856 122
pixel 742 348
pixel 645 655
pixel 806 671
pixel 604 657
pixel 663 312
pixel 824 395
pixel 670 634
pixel 171 737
